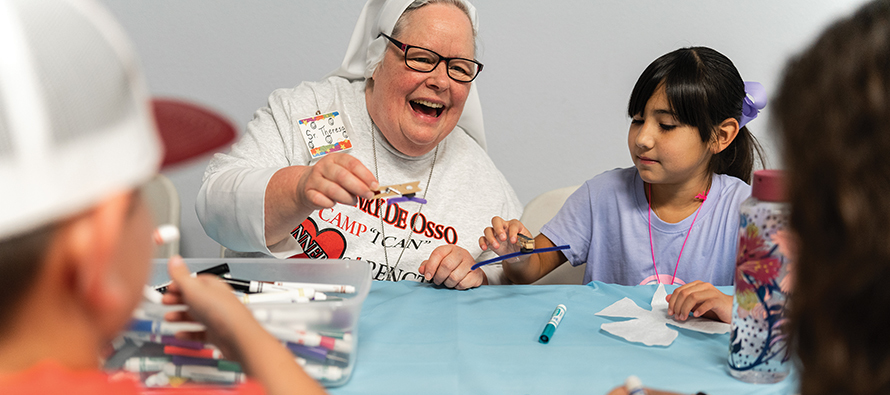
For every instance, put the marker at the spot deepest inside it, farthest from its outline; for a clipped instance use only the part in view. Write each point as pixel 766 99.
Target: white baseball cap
pixel 76 119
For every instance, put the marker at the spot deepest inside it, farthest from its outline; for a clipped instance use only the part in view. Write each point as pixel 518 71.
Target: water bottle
pixel 758 347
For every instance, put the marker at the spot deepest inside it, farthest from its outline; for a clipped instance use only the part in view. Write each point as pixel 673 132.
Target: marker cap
pixel 166 234
pixel 634 386
pixel 548 332
pixel 141 325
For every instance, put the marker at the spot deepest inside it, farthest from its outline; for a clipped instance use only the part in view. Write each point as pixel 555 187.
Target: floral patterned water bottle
pixel 758 349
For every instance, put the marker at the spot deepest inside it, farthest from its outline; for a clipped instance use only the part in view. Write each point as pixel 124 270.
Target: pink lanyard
pixel 703 196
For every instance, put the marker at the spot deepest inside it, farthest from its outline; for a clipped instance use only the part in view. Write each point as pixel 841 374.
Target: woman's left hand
pixel 451 265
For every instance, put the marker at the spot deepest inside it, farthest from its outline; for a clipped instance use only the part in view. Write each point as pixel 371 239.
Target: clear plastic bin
pixel 333 322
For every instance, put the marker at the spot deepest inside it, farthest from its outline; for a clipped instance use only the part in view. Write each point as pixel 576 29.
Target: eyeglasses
pixel 425 61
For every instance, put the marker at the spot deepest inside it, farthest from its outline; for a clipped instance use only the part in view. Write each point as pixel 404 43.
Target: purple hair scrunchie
pixel 755 100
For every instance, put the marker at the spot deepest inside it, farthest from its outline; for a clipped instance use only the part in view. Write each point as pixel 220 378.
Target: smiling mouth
pixel 427 107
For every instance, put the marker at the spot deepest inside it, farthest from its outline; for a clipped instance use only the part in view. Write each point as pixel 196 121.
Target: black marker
pixel 219 270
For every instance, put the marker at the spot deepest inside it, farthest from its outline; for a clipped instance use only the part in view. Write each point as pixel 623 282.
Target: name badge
pixel 324 134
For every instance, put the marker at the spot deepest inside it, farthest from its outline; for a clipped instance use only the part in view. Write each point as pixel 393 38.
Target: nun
pixel 401 111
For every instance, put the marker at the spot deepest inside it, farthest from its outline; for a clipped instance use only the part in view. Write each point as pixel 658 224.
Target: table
pixel 421 339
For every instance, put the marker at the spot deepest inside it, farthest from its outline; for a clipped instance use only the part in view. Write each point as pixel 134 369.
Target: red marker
pixel 207 353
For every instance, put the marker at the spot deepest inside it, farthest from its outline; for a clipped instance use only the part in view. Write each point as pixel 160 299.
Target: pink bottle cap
pixel 769 185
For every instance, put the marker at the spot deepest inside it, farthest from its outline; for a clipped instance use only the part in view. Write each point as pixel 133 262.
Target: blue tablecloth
pixel 419 339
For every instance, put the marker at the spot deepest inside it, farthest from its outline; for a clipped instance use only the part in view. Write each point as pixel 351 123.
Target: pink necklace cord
pixel 703 196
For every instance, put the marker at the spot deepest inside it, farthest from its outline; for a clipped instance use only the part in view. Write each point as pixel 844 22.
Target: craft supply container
pixel 332 318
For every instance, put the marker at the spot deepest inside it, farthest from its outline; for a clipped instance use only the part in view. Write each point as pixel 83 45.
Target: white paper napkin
pixel 650 327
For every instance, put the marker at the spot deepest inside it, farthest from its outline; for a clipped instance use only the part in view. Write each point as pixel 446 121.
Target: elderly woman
pixel 402 108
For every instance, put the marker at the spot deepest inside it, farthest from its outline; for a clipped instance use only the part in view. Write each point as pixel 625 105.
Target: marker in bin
pixel 167 234
pixel 310 339
pixel 333 288
pixel 164 339
pixel 207 353
pixel 253 287
pixel 321 372
pixel 319 354
pixel 203 373
pixel 194 361
pixel 164 327
pixel 553 323
pixel 303 295
pixel 145 364
pixel 221 270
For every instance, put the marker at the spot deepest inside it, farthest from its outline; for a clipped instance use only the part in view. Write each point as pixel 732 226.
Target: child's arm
pixel 702 299
pixel 232 328
pixel 501 238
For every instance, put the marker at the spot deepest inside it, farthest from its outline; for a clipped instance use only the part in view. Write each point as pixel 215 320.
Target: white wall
pixel 555 86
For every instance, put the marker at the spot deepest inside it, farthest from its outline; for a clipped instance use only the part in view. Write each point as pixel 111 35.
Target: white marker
pixel 145 364
pixel 203 373
pixel 335 288
pixel 321 372
pixel 158 379
pixel 303 295
pixel 165 234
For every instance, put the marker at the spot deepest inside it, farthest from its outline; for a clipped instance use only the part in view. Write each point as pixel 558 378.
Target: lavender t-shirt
pixel 605 223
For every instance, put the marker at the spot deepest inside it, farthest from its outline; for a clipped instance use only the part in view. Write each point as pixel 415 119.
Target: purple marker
pixel 319 354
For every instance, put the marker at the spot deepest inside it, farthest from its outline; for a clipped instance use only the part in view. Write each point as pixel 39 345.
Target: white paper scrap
pixel 650 327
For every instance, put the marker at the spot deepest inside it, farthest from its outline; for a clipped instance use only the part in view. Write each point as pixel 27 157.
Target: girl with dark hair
pixel 692 158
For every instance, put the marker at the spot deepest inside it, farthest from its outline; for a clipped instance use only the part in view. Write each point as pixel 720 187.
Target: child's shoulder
pixel 730 188
pixel 731 184
pixel 614 177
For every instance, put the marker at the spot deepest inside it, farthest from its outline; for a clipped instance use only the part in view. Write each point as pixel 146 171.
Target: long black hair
pixel 703 88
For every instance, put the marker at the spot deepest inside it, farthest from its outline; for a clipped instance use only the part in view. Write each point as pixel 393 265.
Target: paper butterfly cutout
pixel 650 327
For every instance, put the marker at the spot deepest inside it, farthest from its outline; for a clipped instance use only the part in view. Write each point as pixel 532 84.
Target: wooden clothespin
pixel 525 243
pixel 407 189
pixel 400 193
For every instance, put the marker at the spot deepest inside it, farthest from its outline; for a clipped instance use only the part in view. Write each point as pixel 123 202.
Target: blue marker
pixel 164 327
pixel 553 323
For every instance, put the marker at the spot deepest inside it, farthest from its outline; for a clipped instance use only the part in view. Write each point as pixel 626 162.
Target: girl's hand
pixel 702 299
pixel 501 237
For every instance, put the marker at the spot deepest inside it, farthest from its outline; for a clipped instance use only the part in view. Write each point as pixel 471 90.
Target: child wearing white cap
pixel 78 136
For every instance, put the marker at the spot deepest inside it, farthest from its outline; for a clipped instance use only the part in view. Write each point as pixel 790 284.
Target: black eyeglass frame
pixel 405 47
